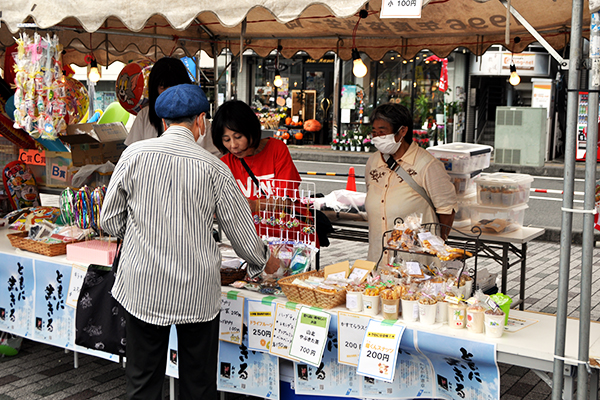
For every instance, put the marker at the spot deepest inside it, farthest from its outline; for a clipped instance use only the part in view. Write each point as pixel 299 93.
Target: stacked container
pixel 464 163
pixel 501 202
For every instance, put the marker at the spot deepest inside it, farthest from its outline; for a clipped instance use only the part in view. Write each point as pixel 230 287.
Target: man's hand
pixel 272 265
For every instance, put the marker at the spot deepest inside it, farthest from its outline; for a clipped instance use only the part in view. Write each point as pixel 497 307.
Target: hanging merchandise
pixel 443 85
pixel 76 98
pixel 42 105
pixel 132 86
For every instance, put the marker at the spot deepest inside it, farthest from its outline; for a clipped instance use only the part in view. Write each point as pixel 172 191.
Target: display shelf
pixel 469 243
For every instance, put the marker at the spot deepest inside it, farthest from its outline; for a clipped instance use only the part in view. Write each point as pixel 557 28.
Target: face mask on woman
pixel 386 144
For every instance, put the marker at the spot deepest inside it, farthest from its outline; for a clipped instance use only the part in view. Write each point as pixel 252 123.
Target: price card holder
pixel 351 332
pixel 310 335
pixel 283 329
pixel 260 324
pixel 338 271
pixel 361 269
pixel 379 350
pixel 77 276
pixel 232 317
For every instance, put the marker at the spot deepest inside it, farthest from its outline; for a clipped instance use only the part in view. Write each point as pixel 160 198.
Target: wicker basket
pixel 230 275
pixel 310 296
pixel 20 241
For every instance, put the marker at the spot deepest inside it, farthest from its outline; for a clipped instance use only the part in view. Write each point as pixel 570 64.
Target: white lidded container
pixel 462 158
pixel 498 219
pixel 502 189
pixel 464 183
pixel 462 217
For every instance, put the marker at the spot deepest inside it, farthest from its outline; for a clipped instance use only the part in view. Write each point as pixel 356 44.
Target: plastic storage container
pixel 464 183
pixel 498 220
pixel 503 190
pixel 462 158
pixel 462 217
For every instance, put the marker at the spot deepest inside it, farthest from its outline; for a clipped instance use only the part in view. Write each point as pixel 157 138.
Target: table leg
pixel 594 384
pixel 523 272
pixel 172 388
pixel 569 385
pixel 504 266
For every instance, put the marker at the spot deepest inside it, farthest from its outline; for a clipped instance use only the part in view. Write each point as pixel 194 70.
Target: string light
pixel 359 68
pixel 514 79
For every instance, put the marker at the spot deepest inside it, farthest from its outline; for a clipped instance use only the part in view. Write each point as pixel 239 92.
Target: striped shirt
pixel 161 200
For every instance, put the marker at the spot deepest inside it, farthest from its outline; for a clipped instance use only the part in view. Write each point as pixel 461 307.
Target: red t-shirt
pixel 272 164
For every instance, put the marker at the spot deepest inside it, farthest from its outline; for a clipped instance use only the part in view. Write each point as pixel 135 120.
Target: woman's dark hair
pixel 237 116
pixel 166 72
pixel 396 115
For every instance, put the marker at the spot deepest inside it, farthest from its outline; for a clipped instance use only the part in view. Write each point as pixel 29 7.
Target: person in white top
pixel 165 73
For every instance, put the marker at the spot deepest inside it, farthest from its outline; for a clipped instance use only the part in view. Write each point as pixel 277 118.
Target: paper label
pixel 260 325
pixel 389 308
pixel 358 274
pixel 77 276
pixel 414 268
pixel 231 318
pixel 310 335
pixel 379 350
pixel 351 332
pixel 283 330
pixel 351 300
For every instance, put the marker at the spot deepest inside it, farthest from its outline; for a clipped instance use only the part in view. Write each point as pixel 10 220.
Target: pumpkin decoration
pixel 312 125
pixel 285 136
pixel 288 121
pixel 298 135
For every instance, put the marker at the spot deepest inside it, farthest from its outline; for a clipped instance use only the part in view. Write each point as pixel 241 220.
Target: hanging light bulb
pixel 94 74
pixel 514 79
pixel 277 82
pixel 359 69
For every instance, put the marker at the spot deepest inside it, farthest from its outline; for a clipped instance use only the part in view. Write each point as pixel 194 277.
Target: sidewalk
pixel 44 372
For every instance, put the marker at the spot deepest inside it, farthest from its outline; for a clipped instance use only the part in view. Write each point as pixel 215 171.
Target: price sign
pixel 260 325
pixel 310 335
pixel 401 8
pixel 283 330
pixel 380 350
pixel 77 276
pixel 351 331
pixel 232 317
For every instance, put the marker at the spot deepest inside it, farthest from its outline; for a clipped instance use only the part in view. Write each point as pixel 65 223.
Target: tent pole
pixel 587 247
pixel 335 124
pixel 568 186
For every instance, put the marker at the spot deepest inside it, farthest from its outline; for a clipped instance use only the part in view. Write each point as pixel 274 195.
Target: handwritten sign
pixel 401 8
pixel 77 276
pixel 32 157
pixel 351 331
pixel 283 330
pixel 232 317
pixel 310 335
pixel 380 350
pixel 58 172
pixel 260 325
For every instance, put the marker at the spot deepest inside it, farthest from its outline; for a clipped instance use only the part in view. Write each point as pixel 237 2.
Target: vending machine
pixel 582 117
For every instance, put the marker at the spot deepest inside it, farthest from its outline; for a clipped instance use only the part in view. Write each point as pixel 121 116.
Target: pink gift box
pixel 92 252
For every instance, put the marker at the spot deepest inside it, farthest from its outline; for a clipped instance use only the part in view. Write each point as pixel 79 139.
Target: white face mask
pixel 204 135
pixel 386 144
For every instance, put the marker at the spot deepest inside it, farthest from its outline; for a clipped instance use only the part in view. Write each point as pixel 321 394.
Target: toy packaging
pixel 20 185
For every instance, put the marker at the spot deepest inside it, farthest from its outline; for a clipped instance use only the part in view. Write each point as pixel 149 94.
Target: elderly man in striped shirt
pixel 161 201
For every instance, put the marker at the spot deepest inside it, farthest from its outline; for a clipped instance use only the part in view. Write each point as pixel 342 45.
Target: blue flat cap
pixel 185 100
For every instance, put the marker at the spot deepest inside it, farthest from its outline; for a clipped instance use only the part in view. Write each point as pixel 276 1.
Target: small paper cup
pixel 427 313
pixel 370 304
pixel 410 310
pixel 441 314
pixel 391 308
pixel 457 315
pixel 494 325
pixel 475 320
pixel 354 301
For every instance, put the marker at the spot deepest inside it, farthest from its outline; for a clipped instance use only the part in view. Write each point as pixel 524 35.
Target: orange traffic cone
pixel 351 184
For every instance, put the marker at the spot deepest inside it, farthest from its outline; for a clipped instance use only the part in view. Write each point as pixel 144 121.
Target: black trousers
pixel 197 359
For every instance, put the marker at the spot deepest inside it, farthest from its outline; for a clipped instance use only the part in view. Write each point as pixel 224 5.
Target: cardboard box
pixel 95 143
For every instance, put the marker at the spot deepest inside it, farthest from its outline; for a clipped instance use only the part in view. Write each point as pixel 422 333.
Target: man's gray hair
pixel 183 120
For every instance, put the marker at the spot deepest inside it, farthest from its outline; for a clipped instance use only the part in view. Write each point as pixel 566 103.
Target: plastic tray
pixel 498 219
pixel 503 190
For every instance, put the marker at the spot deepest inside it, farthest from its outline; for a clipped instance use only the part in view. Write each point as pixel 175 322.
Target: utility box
pixel 520 136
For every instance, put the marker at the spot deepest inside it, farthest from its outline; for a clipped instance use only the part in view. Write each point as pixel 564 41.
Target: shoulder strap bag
pixel 99 318
pixel 397 168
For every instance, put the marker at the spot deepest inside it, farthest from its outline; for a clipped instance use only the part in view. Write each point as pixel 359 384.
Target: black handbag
pixel 99 318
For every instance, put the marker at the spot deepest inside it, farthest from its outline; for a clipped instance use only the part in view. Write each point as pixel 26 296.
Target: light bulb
pixel 94 75
pixel 277 82
pixel 514 79
pixel 359 69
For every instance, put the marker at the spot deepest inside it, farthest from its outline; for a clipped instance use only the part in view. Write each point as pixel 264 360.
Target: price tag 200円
pixel 379 350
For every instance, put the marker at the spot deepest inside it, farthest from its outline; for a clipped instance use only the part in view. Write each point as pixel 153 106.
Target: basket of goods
pixel 311 288
pixel 21 241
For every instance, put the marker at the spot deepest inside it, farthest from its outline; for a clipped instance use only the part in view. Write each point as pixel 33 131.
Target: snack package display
pixel 35 215
pixel 20 185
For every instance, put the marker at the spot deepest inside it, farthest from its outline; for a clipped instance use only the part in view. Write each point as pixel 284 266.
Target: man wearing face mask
pixel 161 200
pixel 427 189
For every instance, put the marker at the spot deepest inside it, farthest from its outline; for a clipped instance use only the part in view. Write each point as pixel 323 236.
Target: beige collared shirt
pixel 389 197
